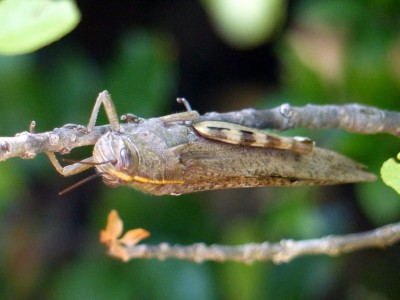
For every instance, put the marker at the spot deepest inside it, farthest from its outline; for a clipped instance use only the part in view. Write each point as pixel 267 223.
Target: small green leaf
pixel 26 26
pixel 390 173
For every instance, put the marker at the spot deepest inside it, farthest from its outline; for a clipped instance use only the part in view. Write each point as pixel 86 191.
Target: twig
pixel 27 145
pixel 283 251
pixel 352 117
pixel 125 246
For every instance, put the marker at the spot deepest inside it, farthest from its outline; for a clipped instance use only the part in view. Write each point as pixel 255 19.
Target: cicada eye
pixel 127 158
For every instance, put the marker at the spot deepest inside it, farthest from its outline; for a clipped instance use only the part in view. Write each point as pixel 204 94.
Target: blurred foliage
pixel 246 23
pixel 26 26
pixel 328 52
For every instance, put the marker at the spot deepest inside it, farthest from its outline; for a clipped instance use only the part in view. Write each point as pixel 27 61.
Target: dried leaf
pixel 113 229
pixel 134 236
pixel 118 250
pixel 120 247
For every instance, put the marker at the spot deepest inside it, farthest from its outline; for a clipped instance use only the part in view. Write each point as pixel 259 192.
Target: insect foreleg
pixel 105 98
pixel 70 169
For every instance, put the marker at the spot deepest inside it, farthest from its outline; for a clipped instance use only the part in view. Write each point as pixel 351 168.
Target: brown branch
pixel 352 117
pixel 27 145
pixel 283 251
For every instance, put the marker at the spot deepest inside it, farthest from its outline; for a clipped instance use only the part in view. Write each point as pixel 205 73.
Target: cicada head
pixel 120 157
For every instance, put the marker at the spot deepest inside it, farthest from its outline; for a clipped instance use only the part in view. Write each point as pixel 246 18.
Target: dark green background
pixel 147 53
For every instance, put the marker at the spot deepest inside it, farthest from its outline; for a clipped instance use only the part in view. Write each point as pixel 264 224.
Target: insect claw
pixel 32 127
pixel 185 103
pixel 131 118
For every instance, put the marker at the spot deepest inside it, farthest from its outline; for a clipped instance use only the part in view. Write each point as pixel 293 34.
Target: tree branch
pixel 283 251
pixel 351 117
pixel 27 145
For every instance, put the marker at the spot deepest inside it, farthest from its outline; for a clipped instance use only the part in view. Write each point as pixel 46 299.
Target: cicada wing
pixel 214 161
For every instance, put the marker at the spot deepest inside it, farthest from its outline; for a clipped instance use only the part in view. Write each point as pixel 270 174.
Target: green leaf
pixel 390 173
pixel 26 26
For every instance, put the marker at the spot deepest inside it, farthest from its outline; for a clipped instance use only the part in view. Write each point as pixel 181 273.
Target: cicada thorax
pixel 141 160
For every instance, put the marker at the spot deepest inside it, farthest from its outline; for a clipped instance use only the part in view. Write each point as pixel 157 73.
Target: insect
pixel 178 154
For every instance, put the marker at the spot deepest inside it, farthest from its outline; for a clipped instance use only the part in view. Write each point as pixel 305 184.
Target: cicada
pixel 179 154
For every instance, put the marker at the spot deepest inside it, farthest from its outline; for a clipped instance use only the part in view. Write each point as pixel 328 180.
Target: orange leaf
pixel 119 247
pixel 134 236
pixel 113 229
pixel 119 251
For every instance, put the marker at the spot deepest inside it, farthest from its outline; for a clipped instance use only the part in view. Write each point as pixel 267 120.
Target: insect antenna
pixel 87 179
pixel 79 183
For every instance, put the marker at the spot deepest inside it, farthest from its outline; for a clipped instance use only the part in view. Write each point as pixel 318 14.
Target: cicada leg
pixel 105 99
pixel 187 116
pixel 73 169
pixel 185 103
